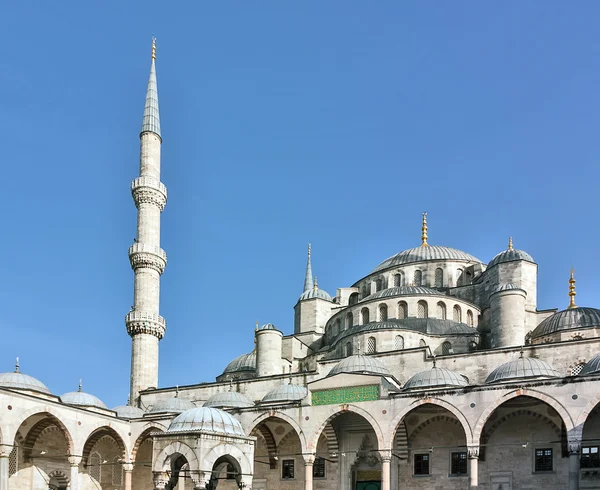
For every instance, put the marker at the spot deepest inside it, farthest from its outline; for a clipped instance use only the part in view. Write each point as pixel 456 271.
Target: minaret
pixel 145 326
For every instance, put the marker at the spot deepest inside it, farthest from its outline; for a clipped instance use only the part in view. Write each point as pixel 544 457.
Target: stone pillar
pixel 4 467
pixel 74 461
pixel 128 470
pixel 309 460
pixel 473 455
pixel 198 480
pixel 386 462
pixel 574 464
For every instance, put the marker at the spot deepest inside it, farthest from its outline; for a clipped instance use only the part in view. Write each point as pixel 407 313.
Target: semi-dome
pixel 402 291
pixel 245 362
pixel 591 367
pixel 359 364
pixel 228 399
pixel 522 368
pixel 208 420
pixel 435 378
pixel 315 292
pixel 286 393
pixel 19 381
pixel 81 399
pixel 172 405
pixel 425 253
pixel 128 412
pixel 509 255
pixel 571 318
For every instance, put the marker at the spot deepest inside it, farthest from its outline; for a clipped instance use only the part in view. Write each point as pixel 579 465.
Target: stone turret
pixel 507 316
pixel 144 324
pixel 269 343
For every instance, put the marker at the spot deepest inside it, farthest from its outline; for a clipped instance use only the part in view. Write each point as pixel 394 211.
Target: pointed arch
pixel 269 439
pixel 142 437
pixel 47 411
pixel 95 436
pixel 582 417
pixel 162 463
pixel 286 418
pixel 229 451
pixel 60 477
pixel 332 441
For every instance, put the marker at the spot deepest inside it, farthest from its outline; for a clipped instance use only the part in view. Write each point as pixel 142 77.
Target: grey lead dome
pixel 360 364
pixel 510 255
pixel 567 320
pixel 524 367
pixel 435 378
pixel 20 381
pixel 128 412
pixel 206 419
pixel 421 254
pixel 228 399
pixel 172 405
pixel 591 367
pixel 82 399
pixel 286 393
pixel 245 362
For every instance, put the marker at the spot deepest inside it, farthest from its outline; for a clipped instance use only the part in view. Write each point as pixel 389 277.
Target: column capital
pixel 74 460
pixel 309 458
pixel 5 450
pixel 127 466
pixel 198 479
pixel 574 447
pixel 385 455
pixel 160 480
pixel 473 452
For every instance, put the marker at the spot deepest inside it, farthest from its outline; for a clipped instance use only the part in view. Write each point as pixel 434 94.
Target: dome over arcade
pixel 19 381
pixel 591 367
pixel 522 368
pixel 172 405
pixel 402 291
pixel 81 399
pixel 435 378
pixel 228 399
pixel 359 364
pixel 286 393
pixel 245 362
pixel 509 255
pixel 208 420
pixel 128 412
pixel 571 318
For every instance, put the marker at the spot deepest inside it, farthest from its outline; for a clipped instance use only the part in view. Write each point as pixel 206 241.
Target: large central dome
pixel 423 253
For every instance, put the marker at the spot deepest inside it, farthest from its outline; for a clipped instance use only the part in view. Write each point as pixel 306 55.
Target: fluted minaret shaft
pixel 144 324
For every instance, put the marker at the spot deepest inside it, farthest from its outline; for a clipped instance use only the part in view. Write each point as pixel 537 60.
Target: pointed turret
pixel 308 278
pixel 151 120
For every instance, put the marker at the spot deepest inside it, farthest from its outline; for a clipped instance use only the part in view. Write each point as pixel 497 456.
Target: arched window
pixel 348 349
pixel 459 277
pixel 378 285
pixel 353 299
pixel 398 279
pixel 457 314
pixel 446 348
pixel 469 318
pixel 364 291
pixel 94 466
pixel 364 316
pixel 439 278
pixel 441 310
pixel 422 343
pixel 349 320
pixel 418 278
pixel 399 342
pixel 13 460
pixel 402 310
pixel 371 345
pixel 382 313
pixel 422 309
pixel 117 471
pixel 337 327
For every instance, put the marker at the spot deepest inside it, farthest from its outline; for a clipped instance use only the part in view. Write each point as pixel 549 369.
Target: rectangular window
pixel 458 463
pixel 287 469
pixel 543 459
pixel 421 464
pixel 319 468
pixel 590 457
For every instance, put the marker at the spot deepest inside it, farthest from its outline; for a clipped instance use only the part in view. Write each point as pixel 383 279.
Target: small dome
pixel 206 419
pixel 286 393
pixel 228 399
pixel 402 291
pixel 360 364
pixel 315 293
pixel 435 378
pixel 591 367
pixel 507 287
pixel 81 399
pixel 571 318
pixel 128 412
pixel 172 405
pixel 268 326
pixel 522 368
pixel 509 256
pixel 421 254
pixel 245 362
pixel 20 381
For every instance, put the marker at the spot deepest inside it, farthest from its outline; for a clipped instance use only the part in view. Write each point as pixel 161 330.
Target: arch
pixel 349 320
pixel 338 410
pixel 364 316
pixel 469 318
pixel 353 299
pixel 583 415
pixel 286 418
pixel 441 310
pixel 162 463
pixel 398 342
pixel 231 452
pixel 447 348
pixel 371 345
pixel 269 439
pixel 382 312
pixel 529 413
pixel 60 477
pixel 95 436
pixel 142 437
pixel 418 278
pixel 398 279
pixel 422 309
pixel 332 440
pixel 457 314
pixel 50 412
pixel 439 278
pixel 435 418
pixel 483 418
pixel 402 310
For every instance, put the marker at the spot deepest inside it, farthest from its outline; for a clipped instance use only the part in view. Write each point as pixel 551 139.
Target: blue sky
pixel 331 122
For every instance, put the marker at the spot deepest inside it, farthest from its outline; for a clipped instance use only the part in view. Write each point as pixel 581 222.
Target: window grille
pixel 418 278
pixel 383 313
pixel 398 282
pixel 441 310
pixel 94 466
pixel 469 318
pixel 439 278
pixel 422 309
pixel 457 314
pixel 458 463
pixel 371 345
pixel 575 370
pixel 446 348
pixel 117 472
pixel 13 460
pixel 364 316
pixel 378 285
pixel 421 464
pixel 287 469
pixel 590 457
pixel 402 310
pixel 319 468
pixel 543 459
pixel 399 342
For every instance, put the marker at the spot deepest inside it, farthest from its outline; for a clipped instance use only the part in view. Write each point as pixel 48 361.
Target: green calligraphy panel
pixel 351 394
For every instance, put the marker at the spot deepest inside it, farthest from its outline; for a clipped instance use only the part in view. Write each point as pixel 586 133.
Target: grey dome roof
pixel 435 378
pixel 245 362
pixel 206 419
pixel 20 381
pixel 360 364
pixel 507 287
pixel 286 393
pixel 420 254
pixel 172 405
pixel 524 367
pixel 510 255
pixel 567 320
pixel 591 367
pixel 128 412
pixel 315 293
pixel 228 399
pixel 82 399
pixel 402 291
pixel 268 326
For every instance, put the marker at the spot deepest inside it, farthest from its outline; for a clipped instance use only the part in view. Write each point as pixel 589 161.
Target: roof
pixel 20 381
pixel 591 367
pixel 522 368
pixel 172 405
pixel 510 255
pixel 424 253
pixel 402 291
pixel 208 420
pixel 435 377
pixel 245 362
pixel 228 399
pixel 151 119
pixel 80 398
pixel 571 318
pixel 286 393
pixel 268 326
pixel 315 293
pixel 360 364
pixel 128 412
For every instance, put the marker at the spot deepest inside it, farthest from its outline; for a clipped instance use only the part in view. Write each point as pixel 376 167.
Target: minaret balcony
pixel 149 190
pixel 142 322
pixel 145 256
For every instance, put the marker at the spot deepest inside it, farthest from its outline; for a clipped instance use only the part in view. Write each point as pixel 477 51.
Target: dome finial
pixel 256 328
pixel 153 47
pixel 17 365
pixel 572 292
pixel 424 232
pixel 521 352
pixel 316 284
pixel 176 391
pixel 510 244
pixel 80 389
pixel 434 361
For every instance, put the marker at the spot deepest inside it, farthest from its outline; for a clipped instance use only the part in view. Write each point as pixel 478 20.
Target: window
pixel 421 464
pixel 287 469
pixel 459 277
pixel 13 460
pixel 399 342
pixel 469 318
pixel 371 345
pixel 348 349
pixel 441 310
pixel 398 280
pixel 418 278
pixel 382 314
pixel 364 291
pixel 353 299
pixel 319 468
pixel 458 463
pixel 349 320
pixel 439 278
pixel 364 316
pixel 457 314
pixel 402 310
pixel 590 457
pixel 422 309
pixel 575 370
pixel 117 472
pixel 422 343
pixel 338 327
pixel 543 459
pixel 472 345
pixel 447 348
pixel 94 466
pixel 378 285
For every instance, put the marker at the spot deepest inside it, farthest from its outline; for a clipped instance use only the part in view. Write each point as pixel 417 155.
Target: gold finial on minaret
pixel 572 292
pixel 424 232
pixel 510 245
pixel 316 284
pixel 153 48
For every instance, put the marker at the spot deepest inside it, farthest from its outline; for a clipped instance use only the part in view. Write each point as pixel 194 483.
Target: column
pixel 473 459
pixel 199 479
pixel 74 461
pixel 4 466
pixel 386 462
pixel 309 460
pixel 128 470
pixel 574 464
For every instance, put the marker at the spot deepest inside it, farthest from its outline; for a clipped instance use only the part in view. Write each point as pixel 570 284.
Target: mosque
pixel 435 370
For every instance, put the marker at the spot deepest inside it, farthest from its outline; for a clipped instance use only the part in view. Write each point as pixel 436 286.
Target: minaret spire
pixel 308 278
pixel 572 292
pixel 424 232
pixel 144 323
pixel 510 244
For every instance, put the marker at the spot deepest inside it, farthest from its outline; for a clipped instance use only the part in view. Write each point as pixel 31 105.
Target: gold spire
pixel 510 245
pixel 316 284
pixel 153 48
pixel 572 292
pixel 424 232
